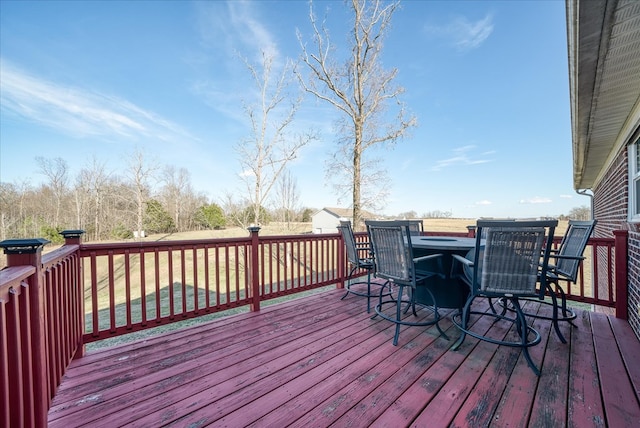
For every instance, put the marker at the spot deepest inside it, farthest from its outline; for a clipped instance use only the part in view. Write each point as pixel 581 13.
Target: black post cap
pixel 23 246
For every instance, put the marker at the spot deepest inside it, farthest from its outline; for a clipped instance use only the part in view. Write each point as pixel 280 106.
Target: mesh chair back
pixel 350 242
pixel 415 227
pixel 392 250
pixel 511 257
pixel 573 244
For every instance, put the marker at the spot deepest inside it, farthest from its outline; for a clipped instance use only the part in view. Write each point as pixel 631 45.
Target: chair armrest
pixel 456 258
pixel 463 260
pixel 429 257
pixel 438 258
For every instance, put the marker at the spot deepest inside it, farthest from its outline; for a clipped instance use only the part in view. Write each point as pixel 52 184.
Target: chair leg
pixel 554 321
pixel 436 314
pixel 368 291
pixel 565 312
pixel 523 330
pixel 398 314
pixel 410 305
pixel 348 282
pixel 380 295
pixel 464 321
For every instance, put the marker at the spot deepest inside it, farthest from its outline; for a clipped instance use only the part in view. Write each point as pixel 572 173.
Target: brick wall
pixel 634 281
pixel 610 202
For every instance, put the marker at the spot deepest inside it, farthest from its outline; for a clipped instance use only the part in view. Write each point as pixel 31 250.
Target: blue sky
pixel 487 82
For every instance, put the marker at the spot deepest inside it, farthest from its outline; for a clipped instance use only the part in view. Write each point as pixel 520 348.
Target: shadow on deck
pixel 319 360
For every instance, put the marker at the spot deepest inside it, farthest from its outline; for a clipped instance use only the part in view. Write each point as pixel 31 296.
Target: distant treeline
pixel 107 205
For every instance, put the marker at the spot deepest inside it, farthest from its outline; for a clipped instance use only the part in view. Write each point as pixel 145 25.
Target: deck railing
pixel 53 304
pixel 135 286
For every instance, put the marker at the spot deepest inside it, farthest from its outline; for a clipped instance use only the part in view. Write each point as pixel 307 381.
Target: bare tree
pixel 176 194
pixel 56 170
pixel 582 213
pixel 92 184
pixel 272 144
pixel 360 89
pixel 287 197
pixel 139 175
pixel 236 211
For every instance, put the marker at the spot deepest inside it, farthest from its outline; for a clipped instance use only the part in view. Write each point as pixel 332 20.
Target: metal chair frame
pixel 514 254
pixel 568 257
pixel 415 227
pixel 394 261
pixel 360 257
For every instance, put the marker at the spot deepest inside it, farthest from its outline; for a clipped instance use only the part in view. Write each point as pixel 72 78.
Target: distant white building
pixel 328 219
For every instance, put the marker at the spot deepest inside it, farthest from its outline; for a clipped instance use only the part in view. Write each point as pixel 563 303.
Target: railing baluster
pixel 171 281
pixel 112 294
pixel 127 288
pixel 143 289
pixel 196 305
pixel 183 280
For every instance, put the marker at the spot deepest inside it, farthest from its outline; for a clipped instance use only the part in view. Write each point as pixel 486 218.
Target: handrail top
pixel 14 274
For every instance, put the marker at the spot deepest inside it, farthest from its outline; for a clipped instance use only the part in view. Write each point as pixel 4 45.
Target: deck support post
pixel 255 269
pixel 620 269
pixel 28 252
pixel 74 237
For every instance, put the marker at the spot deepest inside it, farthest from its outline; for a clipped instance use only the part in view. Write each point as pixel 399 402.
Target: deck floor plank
pixel 448 402
pixel 552 356
pixel 620 402
pixel 320 361
pixel 585 407
pixel 382 368
pixel 376 400
pixel 630 350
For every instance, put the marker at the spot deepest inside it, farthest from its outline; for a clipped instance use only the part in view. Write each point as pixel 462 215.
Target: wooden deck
pixel 320 361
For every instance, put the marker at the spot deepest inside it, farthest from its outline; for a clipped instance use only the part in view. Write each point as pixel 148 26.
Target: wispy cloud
pixel 237 25
pixel 566 196
pixel 231 32
pixel 463 156
pixel 463 33
pixel 78 112
pixel 536 200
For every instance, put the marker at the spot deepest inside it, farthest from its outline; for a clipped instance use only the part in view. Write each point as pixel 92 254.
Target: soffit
pixel 604 74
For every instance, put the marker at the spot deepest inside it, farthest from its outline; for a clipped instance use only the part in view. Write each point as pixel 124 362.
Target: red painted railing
pixel 135 286
pixel 51 305
pixel 40 330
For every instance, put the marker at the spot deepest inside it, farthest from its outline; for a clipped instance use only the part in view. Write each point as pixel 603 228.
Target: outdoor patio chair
pixel 415 227
pixel 564 266
pixel 360 257
pixel 394 262
pixel 507 267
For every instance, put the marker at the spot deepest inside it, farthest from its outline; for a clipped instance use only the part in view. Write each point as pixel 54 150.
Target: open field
pixel 430 225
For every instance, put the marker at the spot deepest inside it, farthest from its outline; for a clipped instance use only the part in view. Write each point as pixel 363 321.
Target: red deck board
pixel 320 361
pixel 453 396
pixel 585 406
pixel 282 385
pixel 620 401
pixel 404 362
pixel 630 350
pixel 233 366
pixel 376 400
pixel 412 401
pixel 514 406
pixel 486 402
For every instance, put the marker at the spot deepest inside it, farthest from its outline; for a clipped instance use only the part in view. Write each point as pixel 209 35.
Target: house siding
pixel 325 222
pixel 610 204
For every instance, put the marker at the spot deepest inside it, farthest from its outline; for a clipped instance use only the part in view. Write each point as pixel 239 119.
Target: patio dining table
pixel 449 292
